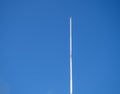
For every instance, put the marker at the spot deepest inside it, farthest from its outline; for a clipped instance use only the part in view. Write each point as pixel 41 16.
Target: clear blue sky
pixel 34 46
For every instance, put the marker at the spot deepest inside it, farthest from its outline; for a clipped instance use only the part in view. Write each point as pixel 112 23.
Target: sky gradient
pixel 34 46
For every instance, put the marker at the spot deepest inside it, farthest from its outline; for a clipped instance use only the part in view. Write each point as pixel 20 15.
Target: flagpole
pixel 71 81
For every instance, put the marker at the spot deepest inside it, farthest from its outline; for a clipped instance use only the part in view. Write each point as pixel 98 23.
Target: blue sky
pixel 34 46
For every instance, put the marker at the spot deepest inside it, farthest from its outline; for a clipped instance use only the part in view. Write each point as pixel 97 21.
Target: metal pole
pixel 71 82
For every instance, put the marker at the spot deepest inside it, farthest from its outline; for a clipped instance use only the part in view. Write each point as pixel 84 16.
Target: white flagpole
pixel 71 82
